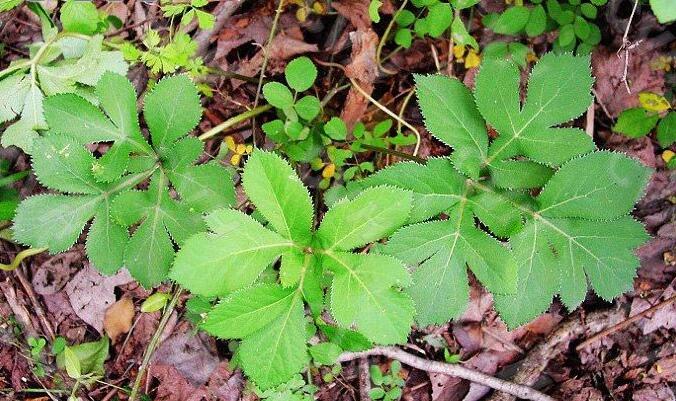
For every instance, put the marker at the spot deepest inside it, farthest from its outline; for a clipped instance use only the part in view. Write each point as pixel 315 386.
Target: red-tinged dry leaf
pixel 654 393
pixel 194 356
pixel 91 293
pixel 118 318
pixel 356 11
pixel 362 68
pixel 608 70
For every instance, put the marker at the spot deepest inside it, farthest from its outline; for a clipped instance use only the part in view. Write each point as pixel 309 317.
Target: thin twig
pixel 364 379
pixel 623 324
pixel 627 46
pixel 233 121
pixel 37 308
pixel 154 342
pixel 266 57
pixel 451 370
pixel 383 39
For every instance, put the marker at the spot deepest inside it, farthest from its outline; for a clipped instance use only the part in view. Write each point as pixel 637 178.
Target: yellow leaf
pixel 531 57
pixel 318 7
pixel 235 159
pixel 249 149
pixel 458 51
pixel 653 102
pixel 667 155
pixel 230 143
pixel 118 318
pixel 241 149
pixel 301 14
pixel 472 60
pixel 329 170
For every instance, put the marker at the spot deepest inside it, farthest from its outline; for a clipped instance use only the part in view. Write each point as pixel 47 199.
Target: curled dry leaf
pixel 118 318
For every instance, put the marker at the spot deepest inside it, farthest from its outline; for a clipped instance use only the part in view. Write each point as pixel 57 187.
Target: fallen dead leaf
pixel 610 90
pixel 91 293
pixel 118 318
pixel 363 70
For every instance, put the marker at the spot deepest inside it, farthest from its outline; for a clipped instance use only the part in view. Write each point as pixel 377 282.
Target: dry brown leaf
pixel 91 293
pixel 611 91
pixel 118 318
pixel 363 70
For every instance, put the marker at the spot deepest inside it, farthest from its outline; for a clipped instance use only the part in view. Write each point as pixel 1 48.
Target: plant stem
pixel 154 342
pixel 394 153
pixel 20 257
pixel 455 370
pixel 234 120
pixel 386 34
pixel 266 57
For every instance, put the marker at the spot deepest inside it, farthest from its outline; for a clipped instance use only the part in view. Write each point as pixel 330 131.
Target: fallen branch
pixel 572 327
pixel 462 372
pixel 625 323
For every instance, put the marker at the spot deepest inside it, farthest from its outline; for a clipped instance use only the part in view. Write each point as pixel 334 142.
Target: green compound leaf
pixel 372 215
pixel 365 290
pixel 364 295
pixel 103 188
pixel 441 250
pixel 451 116
pixel 572 239
pixel 558 90
pixel 279 195
pixel 233 255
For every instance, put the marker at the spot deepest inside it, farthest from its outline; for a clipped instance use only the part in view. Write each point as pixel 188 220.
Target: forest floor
pixel 597 352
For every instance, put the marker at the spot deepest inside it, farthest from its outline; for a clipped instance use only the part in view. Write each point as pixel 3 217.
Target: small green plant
pixel 36 346
pixel 433 18
pixel 188 11
pixel 301 133
pixel 295 389
pixel 573 19
pixel 365 289
pixel 576 230
pixel 84 363
pixel 64 62
pixel 387 385
pixel 104 188
pixel 164 56
pixel 654 111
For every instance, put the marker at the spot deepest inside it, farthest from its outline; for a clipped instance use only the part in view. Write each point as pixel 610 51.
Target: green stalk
pixel 154 342
pixel 233 121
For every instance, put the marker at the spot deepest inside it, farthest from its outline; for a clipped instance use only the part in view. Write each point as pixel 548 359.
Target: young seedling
pixel 364 289
pixel 65 62
pixel 104 190
pixel 573 19
pixel 558 207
